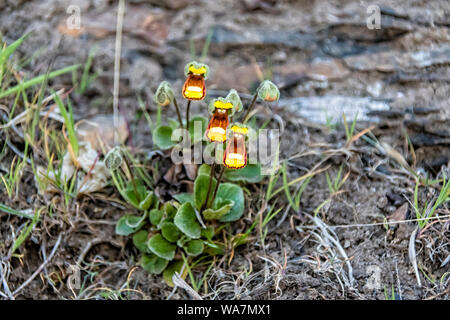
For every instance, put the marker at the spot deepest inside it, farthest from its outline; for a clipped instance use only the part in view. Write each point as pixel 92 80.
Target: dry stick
pixel 178 112
pixel 217 184
pixel 187 114
pixel 55 247
pixel 251 106
pixel 119 25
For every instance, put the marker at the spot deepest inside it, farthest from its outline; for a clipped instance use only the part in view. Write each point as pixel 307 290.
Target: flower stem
pixel 178 112
pixel 187 114
pixel 217 184
pixel 211 175
pixel 250 107
pixel 158 115
pixel 133 179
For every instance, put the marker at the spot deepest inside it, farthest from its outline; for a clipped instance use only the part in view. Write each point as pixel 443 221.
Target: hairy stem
pixel 187 114
pixel 250 107
pixel 211 176
pixel 217 184
pixel 178 112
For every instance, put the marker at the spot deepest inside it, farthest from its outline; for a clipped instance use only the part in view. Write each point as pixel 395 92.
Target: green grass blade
pixel 37 80
pixel 15 212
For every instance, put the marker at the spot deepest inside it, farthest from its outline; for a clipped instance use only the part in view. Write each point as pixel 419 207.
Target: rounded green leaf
pixel 173 267
pixel 194 247
pixel 184 197
pixel 129 224
pixel 153 264
pixel 230 191
pixel 162 137
pixel 220 208
pixel 169 210
pixel 197 128
pixel 204 169
pixel 170 231
pixel 156 216
pixel 201 186
pixel 208 233
pixel 148 201
pixel 251 173
pixel 186 221
pixel 140 240
pixel 135 192
pixel 161 247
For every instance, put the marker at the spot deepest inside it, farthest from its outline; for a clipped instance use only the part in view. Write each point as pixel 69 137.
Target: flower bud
pixel 235 100
pixel 164 94
pixel 268 91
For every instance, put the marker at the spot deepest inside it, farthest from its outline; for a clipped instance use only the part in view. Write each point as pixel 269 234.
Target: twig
pixel 46 261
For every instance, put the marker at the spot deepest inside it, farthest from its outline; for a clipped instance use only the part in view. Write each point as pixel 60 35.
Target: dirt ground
pixel 326 62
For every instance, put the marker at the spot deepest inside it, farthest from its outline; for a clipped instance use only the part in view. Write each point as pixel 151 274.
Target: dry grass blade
pixel 41 267
pixel 179 282
pixel 330 237
pixel 412 254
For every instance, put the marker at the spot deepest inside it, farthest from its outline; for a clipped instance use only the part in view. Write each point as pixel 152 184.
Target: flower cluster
pixel 222 110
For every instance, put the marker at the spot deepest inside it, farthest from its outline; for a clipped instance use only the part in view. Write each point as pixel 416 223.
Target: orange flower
pixel 217 128
pixel 194 87
pixel 235 156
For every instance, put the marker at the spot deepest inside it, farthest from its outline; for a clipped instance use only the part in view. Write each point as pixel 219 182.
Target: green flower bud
pixel 113 158
pixel 268 91
pixel 234 98
pixel 164 94
pixel 197 68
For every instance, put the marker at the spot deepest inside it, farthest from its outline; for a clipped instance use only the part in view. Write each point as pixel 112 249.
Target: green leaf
pixel 220 208
pixel 148 201
pixel 197 133
pixel 175 266
pixel 161 247
pixel 156 216
pixel 250 174
pixel 214 249
pixel 201 186
pixel 129 224
pixel 208 233
pixel 173 123
pixel 169 210
pixel 153 264
pixel 204 169
pixel 232 192
pixel 140 240
pixel 186 221
pixel 134 191
pixel 162 137
pixel 182 241
pixel 184 197
pixel 194 247
pixel 170 231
